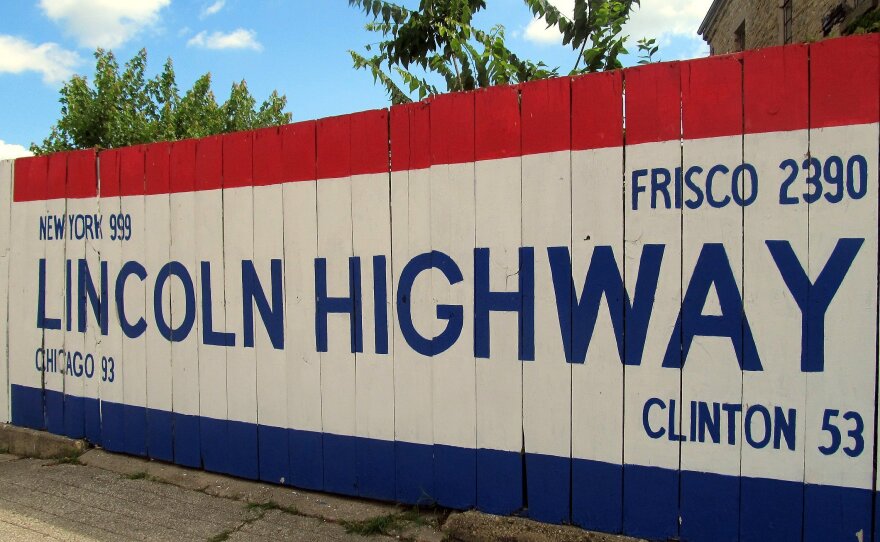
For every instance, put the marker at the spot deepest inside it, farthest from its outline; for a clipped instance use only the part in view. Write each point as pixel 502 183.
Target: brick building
pixel 735 25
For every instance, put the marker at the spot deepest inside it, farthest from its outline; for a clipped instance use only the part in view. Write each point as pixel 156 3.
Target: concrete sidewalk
pixel 95 495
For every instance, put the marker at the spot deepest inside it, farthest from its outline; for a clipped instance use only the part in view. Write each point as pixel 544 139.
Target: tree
pixel 439 41
pixel 123 107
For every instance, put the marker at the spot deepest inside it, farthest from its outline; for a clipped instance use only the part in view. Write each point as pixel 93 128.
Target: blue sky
pixel 298 47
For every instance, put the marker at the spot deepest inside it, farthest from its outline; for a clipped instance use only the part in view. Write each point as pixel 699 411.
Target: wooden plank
pixel 503 300
pixel 303 360
pixel 110 348
pixel 371 238
pixel 157 240
pixel 5 210
pixel 132 209
pixel 841 373
pixel 413 306
pixel 89 314
pixel 267 307
pixel 341 280
pixel 27 401
pixel 651 460
pixel 546 222
pixel 452 234
pixel 58 421
pixel 238 247
pixel 596 321
pixel 211 273
pixel 185 295
pixel 775 99
pixel 714 334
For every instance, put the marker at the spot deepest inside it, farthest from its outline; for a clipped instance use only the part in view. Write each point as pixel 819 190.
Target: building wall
pixel 763 23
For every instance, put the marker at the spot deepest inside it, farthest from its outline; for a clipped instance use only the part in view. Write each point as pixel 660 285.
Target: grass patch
pixel 140 475
pixel 270 505
pixel 389 524
pixel 66 460
pixel 220 537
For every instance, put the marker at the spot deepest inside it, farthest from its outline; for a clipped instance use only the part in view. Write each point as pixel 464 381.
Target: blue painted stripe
pixel 455 476
pixel 54 411
pixel 112 426
pixel 92 411
pixel 187 441
pixel 375 469
pixel 650 502
pixel 705 498
pixel 549 487
pixel 306 459
pixel 340 464
pixel 160 435
pixel 414 473
pixel 597 495
pixel 26 407
pixel 770 509
pixel 499 481
pixel 274 455
pixel 74 416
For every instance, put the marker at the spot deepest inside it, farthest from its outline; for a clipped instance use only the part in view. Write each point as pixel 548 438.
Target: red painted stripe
pixel 131 171
pixel 775 89
pixel 546 115
pixel 238 151
pixel 209 163
pixel 452 128
pixel 298 151
pixel 334 147
pixel 711 97
pixel 183 165
pixel 653 103
pixel 401 116
pixel 30 178
pixel 844 81
pixel 157 174
pixel 420 136
pixel 496 123
pixel 109 176
pixel 268 166
pixel 369 142
pixel 597 110
pixel 82 174
pixel 56 181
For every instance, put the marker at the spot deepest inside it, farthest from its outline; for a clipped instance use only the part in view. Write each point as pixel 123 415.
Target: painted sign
pixel 642 301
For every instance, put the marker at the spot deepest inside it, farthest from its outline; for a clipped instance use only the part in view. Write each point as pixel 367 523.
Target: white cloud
pixel 8 150
pixel 659 19
pixel 237 39
pixel 103 23
pixel 53 62
pixel 213 9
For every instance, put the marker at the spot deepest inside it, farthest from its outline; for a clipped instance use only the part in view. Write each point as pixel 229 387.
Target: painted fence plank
pixel 267 307
pixel 132 208
pixel 503 299
pixel 841 373
pixel 57 402
pixel 595 351
pixel 72 341
pixel 27 398
pixel 339 311
pixel 371 241
pixel 651 219
pixel 185 296
pixel 412 302
pixel 211 273
pixel 110 348
pixel 6 172
pixel 775 105
pixel 714 334
pixel 452 234
pixel 546 222
pixel 303 360
pixel 157 236
pixel 82 210
pixel 238 247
